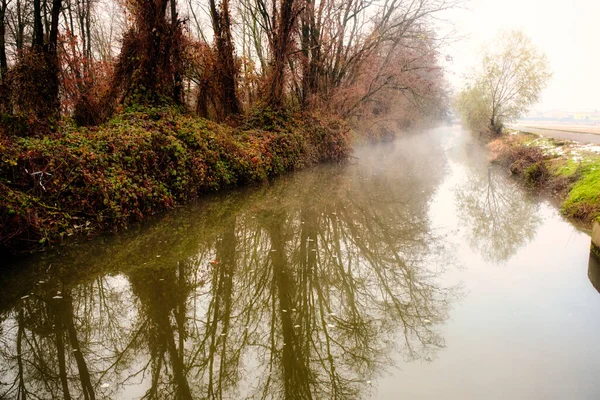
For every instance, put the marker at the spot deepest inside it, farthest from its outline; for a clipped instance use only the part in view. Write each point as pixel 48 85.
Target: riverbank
pixel 568 170
pixel 82 181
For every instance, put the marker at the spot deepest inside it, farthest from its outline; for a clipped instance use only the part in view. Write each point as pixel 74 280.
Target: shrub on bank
pixel 573 177
pixel 140 163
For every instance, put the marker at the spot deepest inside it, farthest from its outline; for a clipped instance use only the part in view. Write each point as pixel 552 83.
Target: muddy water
pixel 413 271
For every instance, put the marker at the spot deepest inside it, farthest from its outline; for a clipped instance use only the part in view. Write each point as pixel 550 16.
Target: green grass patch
pixel 566 167
pixel 583 201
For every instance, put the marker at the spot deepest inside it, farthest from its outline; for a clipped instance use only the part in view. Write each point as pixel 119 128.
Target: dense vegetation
pixel 115 110
pixel 142 162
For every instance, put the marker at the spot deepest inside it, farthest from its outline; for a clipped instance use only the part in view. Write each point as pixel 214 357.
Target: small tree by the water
pixel 512 75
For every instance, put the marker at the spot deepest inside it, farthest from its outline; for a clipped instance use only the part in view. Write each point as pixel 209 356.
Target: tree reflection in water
pixel 300 290
pixel 500 218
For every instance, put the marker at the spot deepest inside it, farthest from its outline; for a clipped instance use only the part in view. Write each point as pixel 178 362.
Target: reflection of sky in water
pixel 527 326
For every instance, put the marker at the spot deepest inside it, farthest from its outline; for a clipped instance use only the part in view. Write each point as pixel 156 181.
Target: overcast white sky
pixel 567 31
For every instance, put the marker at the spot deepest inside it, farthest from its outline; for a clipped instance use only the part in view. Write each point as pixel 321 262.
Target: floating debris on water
pixel 24 297
pixel 57 297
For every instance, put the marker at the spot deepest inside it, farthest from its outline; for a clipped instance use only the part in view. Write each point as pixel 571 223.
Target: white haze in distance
pixel 567 31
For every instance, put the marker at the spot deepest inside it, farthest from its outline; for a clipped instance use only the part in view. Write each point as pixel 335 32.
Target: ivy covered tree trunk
pixel 146 70
pixel 34 80
pixel 281 45
pixel 311 52
pixel 225 68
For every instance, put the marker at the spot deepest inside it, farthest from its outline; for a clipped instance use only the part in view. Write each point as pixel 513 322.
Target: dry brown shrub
pixel 497 148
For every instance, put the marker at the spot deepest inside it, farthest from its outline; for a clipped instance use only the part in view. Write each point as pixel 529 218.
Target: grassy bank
pixel 568 170
pixel 81 181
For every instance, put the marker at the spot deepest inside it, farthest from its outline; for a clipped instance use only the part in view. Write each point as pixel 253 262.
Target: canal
pixel 416 270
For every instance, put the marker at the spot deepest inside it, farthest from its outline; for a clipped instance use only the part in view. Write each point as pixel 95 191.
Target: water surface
pixel 416 270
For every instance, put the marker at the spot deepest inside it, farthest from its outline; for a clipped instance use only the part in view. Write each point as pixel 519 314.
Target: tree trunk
pixel 3 63
pixel 225 61
pixel 281 46
pixel 38 28
pixel 178 80
pixel 305 45
pixel 20 30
